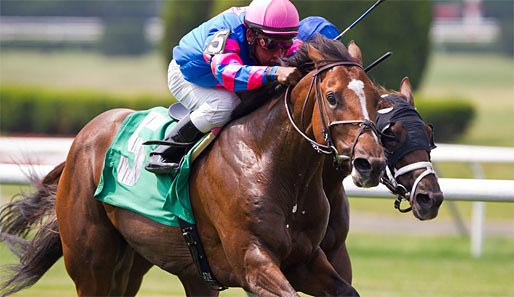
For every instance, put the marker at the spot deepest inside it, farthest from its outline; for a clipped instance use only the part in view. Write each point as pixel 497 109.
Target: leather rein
pixel 329 148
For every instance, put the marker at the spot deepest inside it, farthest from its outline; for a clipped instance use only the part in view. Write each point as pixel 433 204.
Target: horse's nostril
pixel 424 200
pixel 361 164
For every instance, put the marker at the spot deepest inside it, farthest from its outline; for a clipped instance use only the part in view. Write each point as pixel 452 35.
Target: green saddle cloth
pixel 125 183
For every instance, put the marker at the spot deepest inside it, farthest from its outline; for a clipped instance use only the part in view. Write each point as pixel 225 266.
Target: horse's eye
pixel 331 98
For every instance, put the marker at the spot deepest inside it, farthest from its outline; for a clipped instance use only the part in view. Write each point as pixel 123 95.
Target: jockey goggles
pixel 273 44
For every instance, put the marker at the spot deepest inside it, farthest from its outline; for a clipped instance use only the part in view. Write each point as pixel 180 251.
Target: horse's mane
pixel 332 50
pixel 384 91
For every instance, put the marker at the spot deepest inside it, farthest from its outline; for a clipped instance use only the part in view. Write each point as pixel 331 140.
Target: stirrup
pixel 158 165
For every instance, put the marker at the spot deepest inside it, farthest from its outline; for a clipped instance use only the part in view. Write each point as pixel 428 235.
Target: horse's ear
pixel 355 51
pixel 406 90
pixel 315 55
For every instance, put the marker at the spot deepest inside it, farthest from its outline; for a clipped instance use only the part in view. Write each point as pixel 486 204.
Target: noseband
pixel 397 188
pixel 329 148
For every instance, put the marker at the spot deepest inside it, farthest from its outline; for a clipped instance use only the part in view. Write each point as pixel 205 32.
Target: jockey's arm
pixel 230 72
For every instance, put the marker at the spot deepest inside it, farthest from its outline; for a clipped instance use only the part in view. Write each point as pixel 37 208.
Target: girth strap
pixel 198 254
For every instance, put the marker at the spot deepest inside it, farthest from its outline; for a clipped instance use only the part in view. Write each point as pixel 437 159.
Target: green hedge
pixel 450 117
pixel 45 111
pixel 178 18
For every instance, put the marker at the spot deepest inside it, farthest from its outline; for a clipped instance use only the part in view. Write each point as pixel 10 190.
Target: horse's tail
pixel 18 219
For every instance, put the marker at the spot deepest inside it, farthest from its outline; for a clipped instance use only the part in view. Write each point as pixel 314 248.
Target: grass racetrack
pixel 392 254
pixel 395 266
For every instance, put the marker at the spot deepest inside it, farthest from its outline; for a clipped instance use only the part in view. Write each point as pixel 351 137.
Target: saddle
pixel 177 111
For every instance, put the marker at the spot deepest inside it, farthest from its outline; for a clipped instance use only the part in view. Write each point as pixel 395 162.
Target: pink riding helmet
pixel 273 17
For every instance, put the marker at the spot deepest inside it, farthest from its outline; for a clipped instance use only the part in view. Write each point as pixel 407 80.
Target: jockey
pixel 237 50
pixel 312 25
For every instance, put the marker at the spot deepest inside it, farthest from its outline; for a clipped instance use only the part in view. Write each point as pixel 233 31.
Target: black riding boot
pixel 164 159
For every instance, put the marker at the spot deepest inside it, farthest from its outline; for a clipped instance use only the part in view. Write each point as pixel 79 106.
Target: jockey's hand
pixel 288 75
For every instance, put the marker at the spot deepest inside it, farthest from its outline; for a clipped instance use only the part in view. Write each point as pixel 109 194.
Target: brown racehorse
pixel 407 140
pixel 257 195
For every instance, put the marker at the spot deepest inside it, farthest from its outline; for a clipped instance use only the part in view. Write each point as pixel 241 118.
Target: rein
pixel 329 148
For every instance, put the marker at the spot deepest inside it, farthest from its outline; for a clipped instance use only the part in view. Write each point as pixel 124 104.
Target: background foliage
pixel 398 26
pixel 58 112
pixel 180 17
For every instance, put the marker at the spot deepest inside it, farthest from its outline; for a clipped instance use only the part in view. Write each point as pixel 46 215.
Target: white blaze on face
pixel 358 87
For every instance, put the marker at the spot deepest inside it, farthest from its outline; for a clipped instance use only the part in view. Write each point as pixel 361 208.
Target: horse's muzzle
pixel 367 172
pixel 426 204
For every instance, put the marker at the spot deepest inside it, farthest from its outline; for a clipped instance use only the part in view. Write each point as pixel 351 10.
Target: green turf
pixel 70 69
pixel 383 266
pixel 430 266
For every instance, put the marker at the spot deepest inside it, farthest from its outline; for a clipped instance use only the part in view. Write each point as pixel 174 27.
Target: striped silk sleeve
pixel 232 74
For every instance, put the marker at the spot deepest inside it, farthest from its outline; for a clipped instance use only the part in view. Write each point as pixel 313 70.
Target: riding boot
pixel 165 159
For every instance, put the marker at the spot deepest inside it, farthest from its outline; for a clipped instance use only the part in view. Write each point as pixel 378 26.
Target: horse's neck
pixel 276 139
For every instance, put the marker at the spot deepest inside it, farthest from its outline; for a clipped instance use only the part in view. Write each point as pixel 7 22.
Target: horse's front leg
pixel 262 274
pixel 333 244
pixel 317 277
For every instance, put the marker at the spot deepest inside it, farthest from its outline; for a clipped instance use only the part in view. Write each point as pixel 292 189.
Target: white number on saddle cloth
pixel 129 175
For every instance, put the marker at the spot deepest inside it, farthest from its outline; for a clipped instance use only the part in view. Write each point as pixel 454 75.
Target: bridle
pixel 329 148
pixel 397 188
pixel 390 179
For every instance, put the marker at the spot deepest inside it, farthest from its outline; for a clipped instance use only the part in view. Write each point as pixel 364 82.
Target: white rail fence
pixel 21 156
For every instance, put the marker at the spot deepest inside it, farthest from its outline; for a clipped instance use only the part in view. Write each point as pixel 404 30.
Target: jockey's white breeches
pixel 209 107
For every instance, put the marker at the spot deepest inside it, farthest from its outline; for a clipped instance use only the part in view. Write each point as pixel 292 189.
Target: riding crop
pixel 377 61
